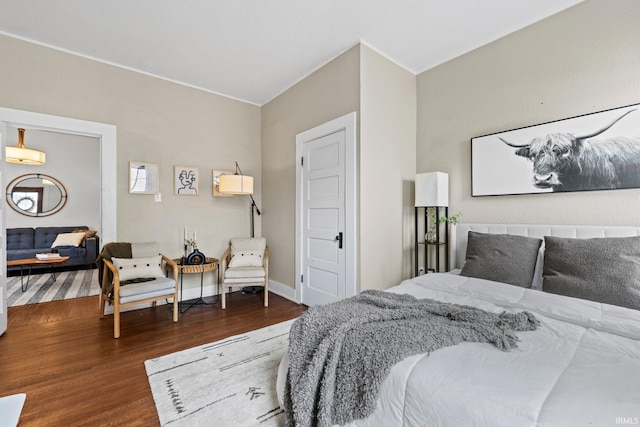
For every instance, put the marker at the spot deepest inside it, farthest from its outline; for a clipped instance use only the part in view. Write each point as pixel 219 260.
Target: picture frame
pixel 215 176
pixel 596 151
pixel 186 180
pixel 144 178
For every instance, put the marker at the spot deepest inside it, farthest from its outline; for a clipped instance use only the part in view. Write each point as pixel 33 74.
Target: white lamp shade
pixel 24 156
pixel 432 189
pixel 236 184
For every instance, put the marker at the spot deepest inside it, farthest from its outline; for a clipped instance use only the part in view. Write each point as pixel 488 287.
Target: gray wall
pixel 579 61
pixel 330 92
pixel 384 96
pixel 157 121
pixel 387 170
pixel 73 160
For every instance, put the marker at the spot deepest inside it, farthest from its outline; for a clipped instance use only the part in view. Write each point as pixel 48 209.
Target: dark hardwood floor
pixel 64 357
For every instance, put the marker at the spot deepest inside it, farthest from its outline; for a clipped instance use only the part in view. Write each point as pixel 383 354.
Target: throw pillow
pixel 138 268
pixel 246 259
pixel 88 233
pixel 502 258
pixel 604 270
pixel 68 239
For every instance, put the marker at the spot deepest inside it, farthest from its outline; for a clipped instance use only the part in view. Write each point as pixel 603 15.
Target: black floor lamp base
pixel 252 289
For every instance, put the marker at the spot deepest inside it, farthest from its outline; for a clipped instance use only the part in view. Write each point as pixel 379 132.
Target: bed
pixel 580 367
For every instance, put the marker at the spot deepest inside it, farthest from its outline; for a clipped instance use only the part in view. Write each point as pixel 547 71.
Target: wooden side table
pixel 210 264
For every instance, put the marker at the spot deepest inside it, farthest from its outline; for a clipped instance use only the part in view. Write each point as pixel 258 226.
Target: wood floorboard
pixel 64 357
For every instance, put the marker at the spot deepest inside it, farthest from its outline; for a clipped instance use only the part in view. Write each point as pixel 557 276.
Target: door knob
pixel 339 240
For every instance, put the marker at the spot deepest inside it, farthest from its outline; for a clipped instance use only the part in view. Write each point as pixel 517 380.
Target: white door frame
pixel 348 124
pixel 105 133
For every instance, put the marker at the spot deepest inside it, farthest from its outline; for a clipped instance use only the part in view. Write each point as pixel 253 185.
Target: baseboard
pixel 283 290
pixel 209 290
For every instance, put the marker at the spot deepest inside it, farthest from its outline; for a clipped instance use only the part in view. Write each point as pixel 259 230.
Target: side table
pixel 210 264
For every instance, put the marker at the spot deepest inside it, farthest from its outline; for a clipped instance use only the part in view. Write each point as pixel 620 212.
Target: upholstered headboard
pixel 460 232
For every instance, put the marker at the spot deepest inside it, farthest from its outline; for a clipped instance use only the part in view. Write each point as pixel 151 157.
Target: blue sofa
pixel 27 242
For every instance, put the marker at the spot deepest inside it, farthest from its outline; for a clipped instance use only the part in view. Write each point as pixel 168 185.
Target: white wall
pixel 73 160
pixel 582 60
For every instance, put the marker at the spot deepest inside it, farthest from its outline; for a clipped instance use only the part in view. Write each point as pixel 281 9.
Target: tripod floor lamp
pixel 242 185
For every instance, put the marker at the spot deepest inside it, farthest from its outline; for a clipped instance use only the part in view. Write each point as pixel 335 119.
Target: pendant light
pixel 22 155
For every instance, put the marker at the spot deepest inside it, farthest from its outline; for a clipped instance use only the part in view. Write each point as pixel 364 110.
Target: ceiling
pixel 253 50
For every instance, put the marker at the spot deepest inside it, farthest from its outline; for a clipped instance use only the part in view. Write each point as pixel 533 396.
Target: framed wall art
pixel 143 178
pixel 215 174
pixel 186 180
pixel 598 151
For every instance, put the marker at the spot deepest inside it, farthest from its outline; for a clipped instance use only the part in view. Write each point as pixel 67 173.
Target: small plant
pixel 453 219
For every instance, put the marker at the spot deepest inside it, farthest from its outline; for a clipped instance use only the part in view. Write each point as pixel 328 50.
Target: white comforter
pixel 580 368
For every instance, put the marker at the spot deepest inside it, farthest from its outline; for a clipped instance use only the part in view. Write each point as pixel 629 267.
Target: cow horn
pixel 513 145
pixel 591 135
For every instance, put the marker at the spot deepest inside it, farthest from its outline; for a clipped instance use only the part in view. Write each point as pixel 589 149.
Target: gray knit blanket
pixel 340 354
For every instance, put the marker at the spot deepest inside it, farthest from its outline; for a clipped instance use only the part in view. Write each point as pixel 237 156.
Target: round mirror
pixel 36 194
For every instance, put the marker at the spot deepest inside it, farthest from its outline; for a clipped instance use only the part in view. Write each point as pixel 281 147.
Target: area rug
pixel 42 288
pixel 231 382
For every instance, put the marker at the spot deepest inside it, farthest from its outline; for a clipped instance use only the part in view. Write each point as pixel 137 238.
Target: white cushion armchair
pixel 245 263
pixel 134 273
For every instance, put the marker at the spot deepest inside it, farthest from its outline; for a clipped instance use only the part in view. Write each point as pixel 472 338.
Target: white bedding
pixel 580 368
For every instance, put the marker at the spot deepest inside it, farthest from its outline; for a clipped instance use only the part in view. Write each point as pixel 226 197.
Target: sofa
pixel 82 250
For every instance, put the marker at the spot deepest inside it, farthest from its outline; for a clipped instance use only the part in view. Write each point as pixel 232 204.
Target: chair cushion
pixel 244 272
pixel 138 268
pixel 140 291
pixel 244 281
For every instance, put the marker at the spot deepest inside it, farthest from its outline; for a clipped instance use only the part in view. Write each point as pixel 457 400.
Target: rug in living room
pixel 42 288
pixel 231 382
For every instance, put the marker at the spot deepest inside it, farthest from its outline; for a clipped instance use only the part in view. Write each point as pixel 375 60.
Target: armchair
pixel 132 274
pixel 245 263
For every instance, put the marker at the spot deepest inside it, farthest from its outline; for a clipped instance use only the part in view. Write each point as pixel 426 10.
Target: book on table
pixel 48 256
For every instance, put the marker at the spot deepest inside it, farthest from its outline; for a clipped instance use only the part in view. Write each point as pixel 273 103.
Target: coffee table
pixel 33 262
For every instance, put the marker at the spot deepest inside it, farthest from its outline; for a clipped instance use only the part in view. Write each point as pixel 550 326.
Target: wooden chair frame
pixel 117 306
pixel 224 262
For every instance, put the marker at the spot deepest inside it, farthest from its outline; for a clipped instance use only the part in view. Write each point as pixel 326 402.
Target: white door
pixel 326 224
pixel 3 244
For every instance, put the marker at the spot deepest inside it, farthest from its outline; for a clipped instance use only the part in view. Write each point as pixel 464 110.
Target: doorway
pixel 326 212
pixel 106 134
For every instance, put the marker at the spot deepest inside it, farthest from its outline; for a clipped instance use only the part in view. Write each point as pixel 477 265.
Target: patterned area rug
pixel 231 382
pixel 68 284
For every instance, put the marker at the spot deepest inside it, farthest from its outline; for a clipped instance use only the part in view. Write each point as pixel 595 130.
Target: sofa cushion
pixel 20 238
pixel 68 239
pixel 45 236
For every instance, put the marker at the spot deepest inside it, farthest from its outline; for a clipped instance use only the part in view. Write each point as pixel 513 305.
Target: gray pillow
pixel 502 258
pixel 600 269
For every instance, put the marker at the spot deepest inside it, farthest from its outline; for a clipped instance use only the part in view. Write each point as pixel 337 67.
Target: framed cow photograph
pixel 598 151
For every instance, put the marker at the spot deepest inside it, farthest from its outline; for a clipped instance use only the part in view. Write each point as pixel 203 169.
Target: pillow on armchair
pixel 247 252
pixel 246 259
pixel 138 268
